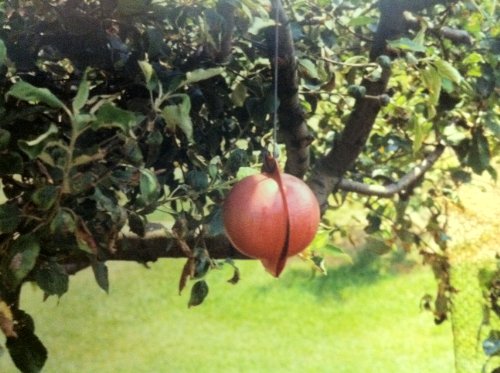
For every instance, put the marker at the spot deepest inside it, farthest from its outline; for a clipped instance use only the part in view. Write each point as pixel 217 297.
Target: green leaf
pixel 493 125
pixel 446 70
pixel 63 222
pixel 421 130
pixel 34 147
pixel 239 94
pixel 374 222
pixel 202 74
pixel 10 217
pixel 257 110
pixel 52 279
pixel 109 115
pixel 454 135
pixel 419 39
pixel 308 68
pixel 406 44
pixel 11 163
pixel 101 275
pixel 178 116
pixel 460 176
pixel 147 70
pixel 4 138
pixel 45 197
pixel 149 186
pixel 473 58
pixel 24 253
pixel 238 158
pixel 149 74
pixel 493 173
pixel 3 53
pixel 136 224
pixel 260 23
pixel 215 225
pixel 236 276
pixel 82 95
pixel 198 180
pixel 245 171
pixel 199 292
pixel 479 153
pixel 333 249
pixel 27 92
pixel 432 81
pixel 202 263
pixel 361 21
pixel 27 351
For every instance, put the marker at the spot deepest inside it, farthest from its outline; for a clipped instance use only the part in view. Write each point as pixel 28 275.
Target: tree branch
pixel 226 10
pixel 457 36
pixel 156 244
pixel 406 183
pixel 293 126
pixel 328 170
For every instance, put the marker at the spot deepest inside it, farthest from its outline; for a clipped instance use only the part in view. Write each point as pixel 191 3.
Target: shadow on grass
pixel 367 268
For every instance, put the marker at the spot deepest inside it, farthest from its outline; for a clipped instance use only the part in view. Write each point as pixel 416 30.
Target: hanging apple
pixel 271 216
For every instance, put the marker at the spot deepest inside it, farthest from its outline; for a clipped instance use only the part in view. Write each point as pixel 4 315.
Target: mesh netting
pixel 475 231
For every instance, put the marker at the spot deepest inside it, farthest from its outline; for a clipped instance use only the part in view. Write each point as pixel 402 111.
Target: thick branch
pixel 157 244
pixel 457 36
pixel 407 182
pixel 154 245
pixel 293 127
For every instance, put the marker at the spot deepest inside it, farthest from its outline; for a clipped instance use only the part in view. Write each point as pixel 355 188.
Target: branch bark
pixel 407 182
pixel 157 244
pixel 226 9
pixel 293 126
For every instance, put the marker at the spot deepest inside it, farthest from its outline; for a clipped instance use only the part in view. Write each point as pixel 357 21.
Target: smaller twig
pixel 405 183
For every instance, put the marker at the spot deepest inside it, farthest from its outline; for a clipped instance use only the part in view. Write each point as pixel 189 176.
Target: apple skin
pixel 256 215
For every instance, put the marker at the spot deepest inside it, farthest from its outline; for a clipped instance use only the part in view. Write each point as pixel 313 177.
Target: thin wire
pixel 276 57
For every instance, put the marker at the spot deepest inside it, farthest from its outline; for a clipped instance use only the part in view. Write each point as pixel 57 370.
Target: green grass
pixel 353 320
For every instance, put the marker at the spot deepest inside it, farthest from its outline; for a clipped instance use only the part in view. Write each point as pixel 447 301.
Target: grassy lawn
pixel 353 320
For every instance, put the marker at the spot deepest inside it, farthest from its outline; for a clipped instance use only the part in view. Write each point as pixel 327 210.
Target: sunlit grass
pixel 353 320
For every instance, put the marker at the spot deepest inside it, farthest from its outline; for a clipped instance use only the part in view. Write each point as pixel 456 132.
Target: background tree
pixel 114 109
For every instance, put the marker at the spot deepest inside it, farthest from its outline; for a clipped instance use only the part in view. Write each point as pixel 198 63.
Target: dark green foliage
pixel 26 350
pixel 52 279
pixel 199 292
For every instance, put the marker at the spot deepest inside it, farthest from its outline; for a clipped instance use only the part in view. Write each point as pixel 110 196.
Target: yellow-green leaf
pixel 432 81
pixel 82 95
pixel 27 92
pixel 446 70
pixel 3 53
pixel 202 74
pixel 178 116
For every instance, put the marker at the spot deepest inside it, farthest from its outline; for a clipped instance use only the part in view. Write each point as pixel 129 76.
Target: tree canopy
pixel 111 110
